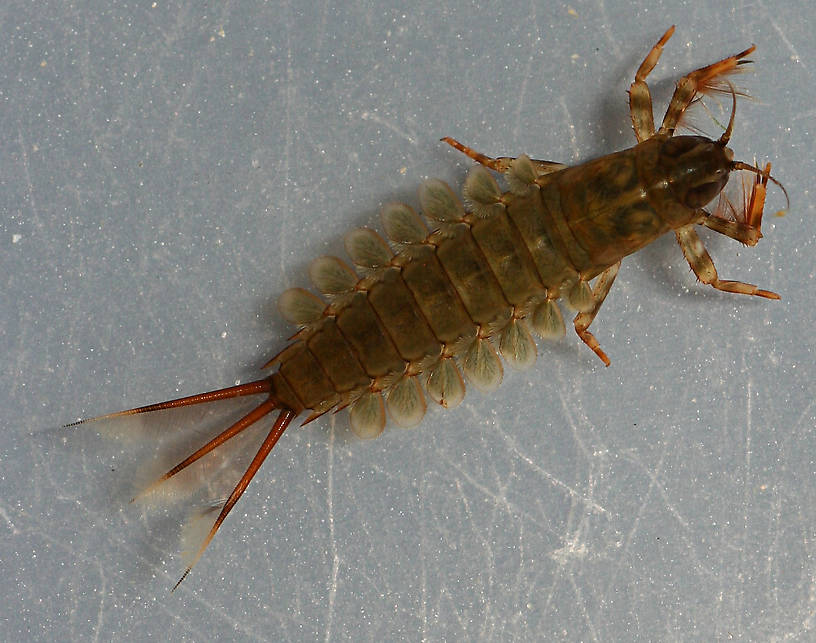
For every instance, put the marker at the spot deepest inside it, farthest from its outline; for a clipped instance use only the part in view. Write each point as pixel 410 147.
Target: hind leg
pixel 502 163
pixel 583 320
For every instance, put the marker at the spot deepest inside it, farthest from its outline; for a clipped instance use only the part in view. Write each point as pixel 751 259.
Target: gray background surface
pixel 167 170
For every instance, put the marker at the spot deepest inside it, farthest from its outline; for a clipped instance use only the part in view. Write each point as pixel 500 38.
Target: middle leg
pixel 705 79
pixel 640 99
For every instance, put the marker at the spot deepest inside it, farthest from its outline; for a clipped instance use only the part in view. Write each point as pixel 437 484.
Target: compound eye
pixel 698 196
pixel 680 145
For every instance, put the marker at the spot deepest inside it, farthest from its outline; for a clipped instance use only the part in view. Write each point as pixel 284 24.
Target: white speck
pixel 16 237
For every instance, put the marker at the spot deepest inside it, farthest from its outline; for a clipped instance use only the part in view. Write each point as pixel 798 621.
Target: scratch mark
pixel 571 127
pixel 236 624
pixel 8 520
pixel 332 539
pixel 653 478
pixel 582 606
pixel 371 116
pixel 423 570
pixel 103 592
pixel 803 422
pixel 747 442
pixel 525 77
pixel 579 442
pixel 573 493
pixel 573 548
pixel 770 562
pixel 488 493
pixel 29 184
pixel 287 145
pixel 612 41
pixel 782 36
pixel 646 500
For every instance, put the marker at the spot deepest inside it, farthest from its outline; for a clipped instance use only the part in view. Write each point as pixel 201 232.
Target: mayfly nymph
pixel 476 277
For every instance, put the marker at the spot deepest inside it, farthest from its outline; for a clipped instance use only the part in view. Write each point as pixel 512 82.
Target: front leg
pixel 702 265
pixel 743 222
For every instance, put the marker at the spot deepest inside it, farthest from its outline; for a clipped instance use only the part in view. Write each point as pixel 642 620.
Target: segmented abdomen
pixel 430 307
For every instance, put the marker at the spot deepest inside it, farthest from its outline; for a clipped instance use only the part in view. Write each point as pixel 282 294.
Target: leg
pixel 702 265
pixel 502 163
pixel 640 100
pixel 749 235
pixel 705 79
pixel 743 220
pixel 583 320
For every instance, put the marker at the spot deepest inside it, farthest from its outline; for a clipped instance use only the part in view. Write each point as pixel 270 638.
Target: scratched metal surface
pixel 168 170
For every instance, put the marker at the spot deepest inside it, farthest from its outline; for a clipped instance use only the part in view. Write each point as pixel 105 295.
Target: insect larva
pixel 432 307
